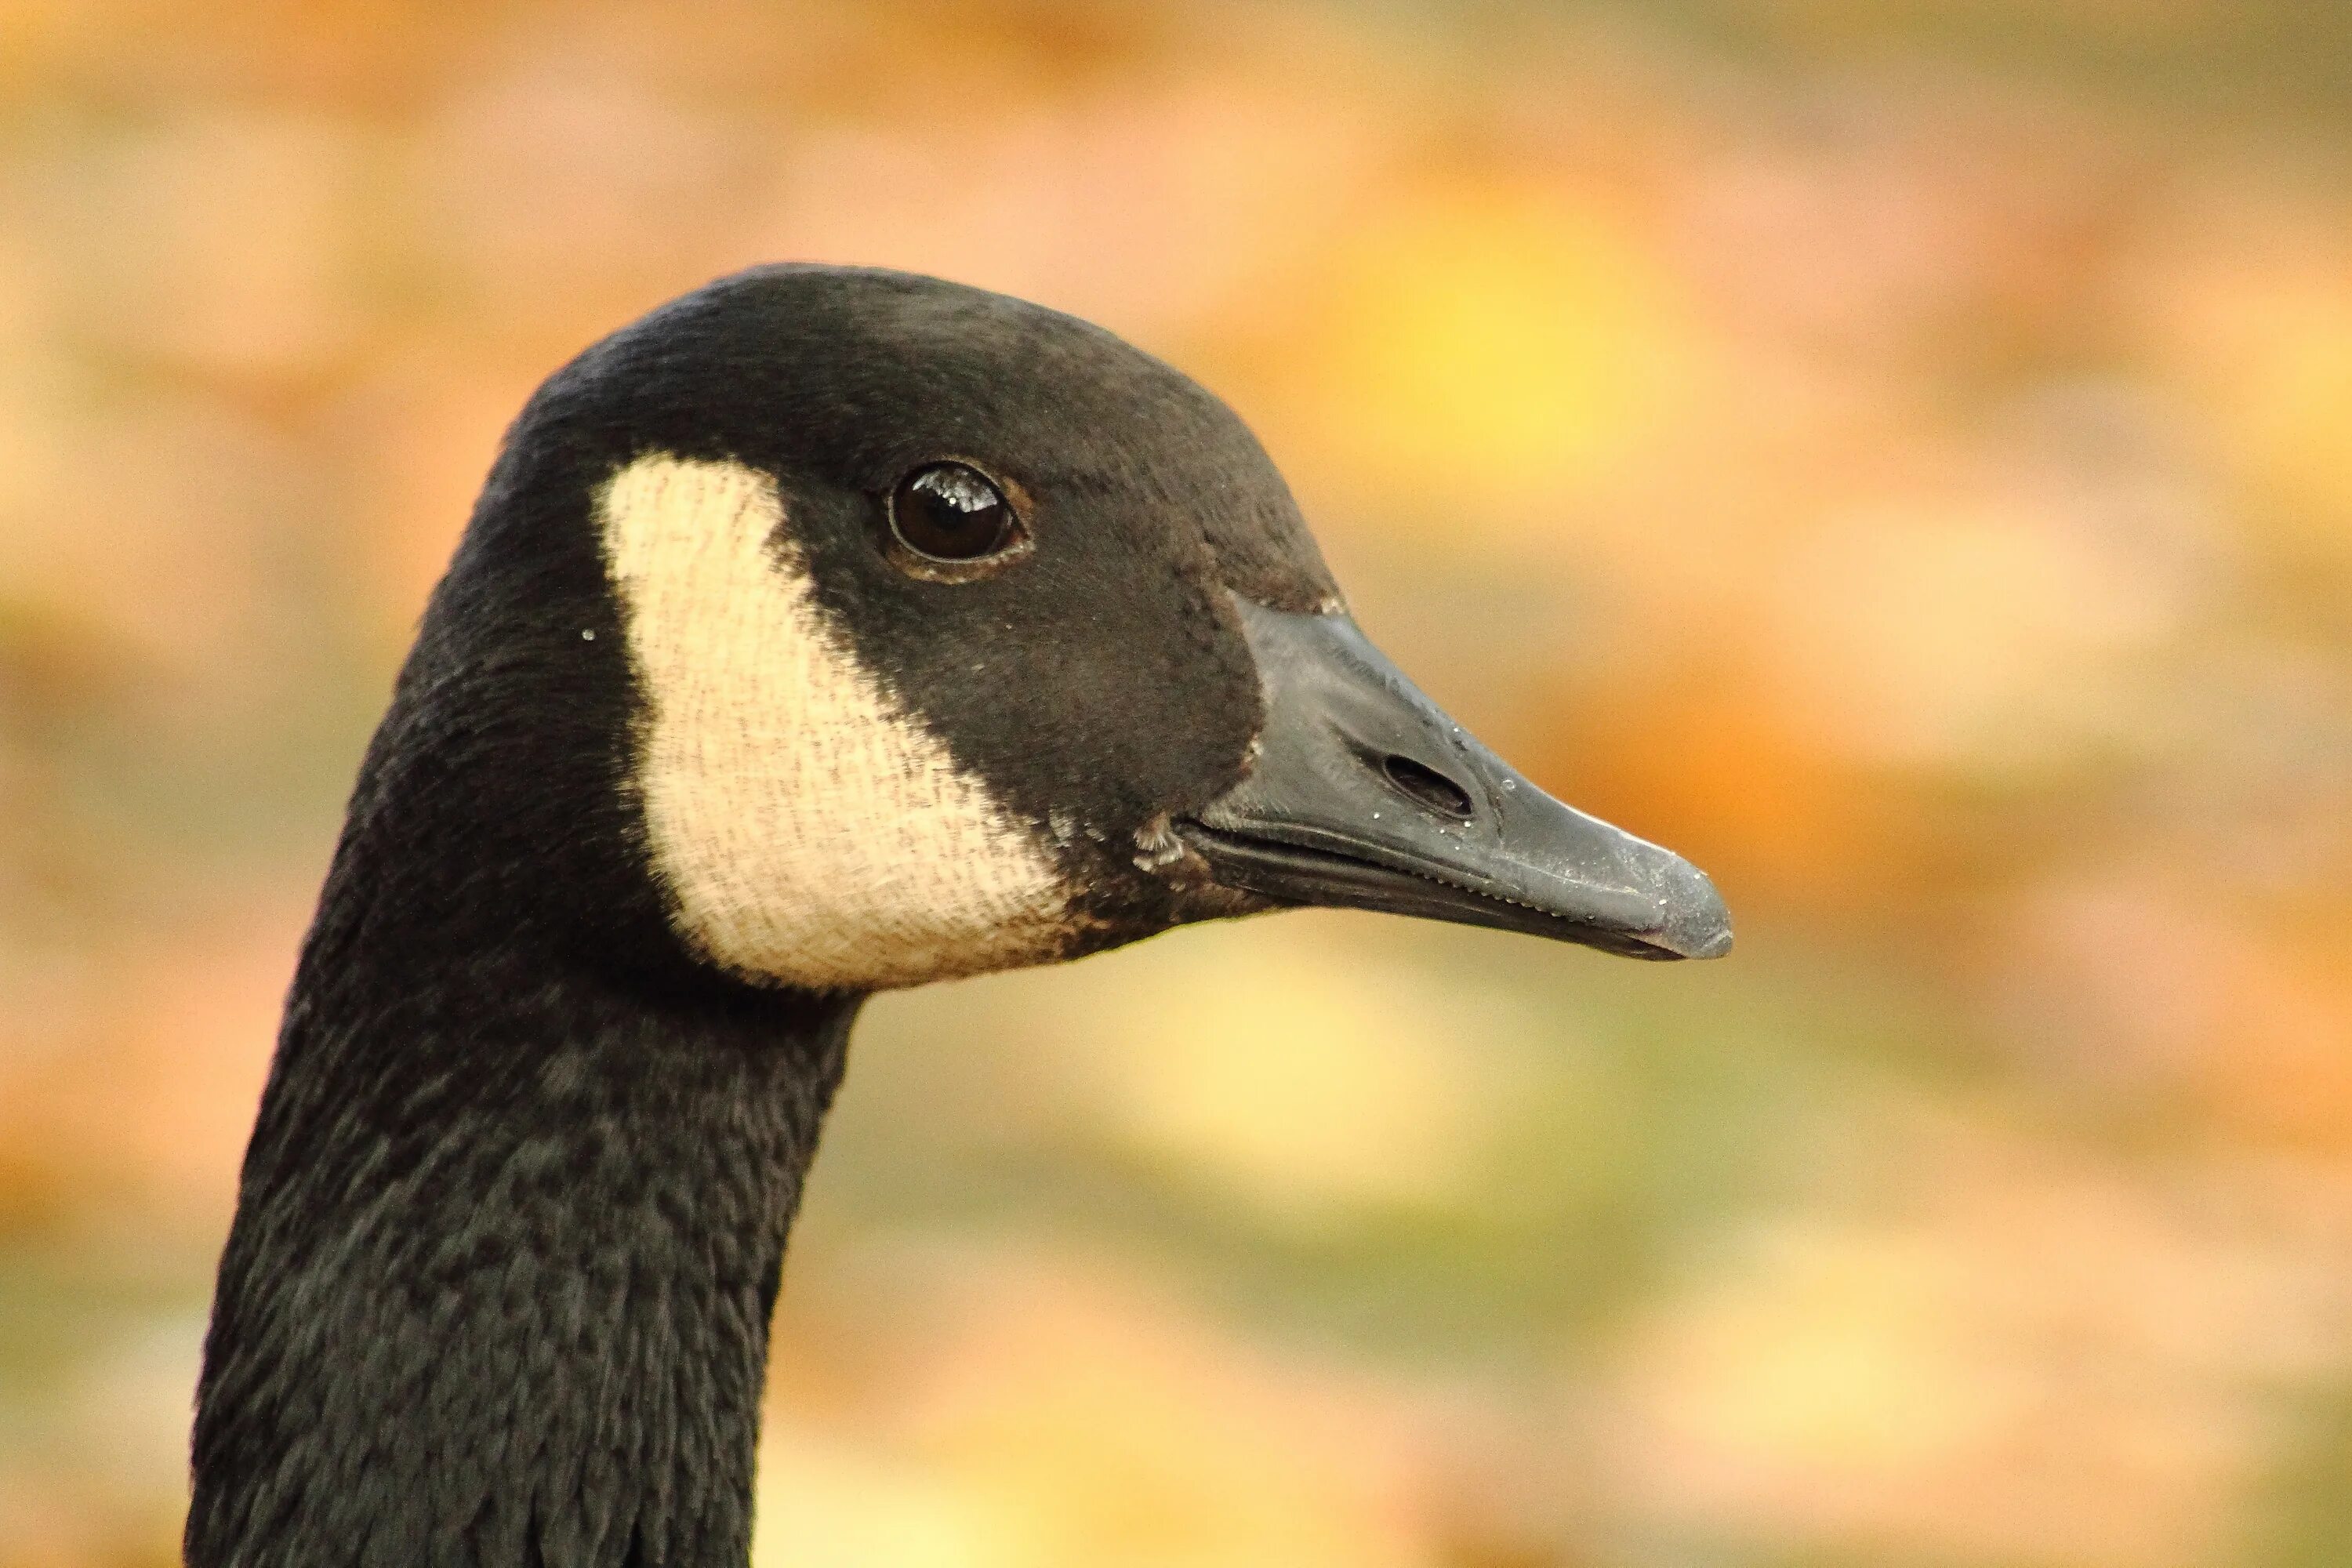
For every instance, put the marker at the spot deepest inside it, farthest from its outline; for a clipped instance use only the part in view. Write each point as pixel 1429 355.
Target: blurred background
pixel 1898 452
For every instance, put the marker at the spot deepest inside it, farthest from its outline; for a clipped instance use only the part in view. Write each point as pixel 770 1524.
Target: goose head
pixel 958 635
pixel 823 632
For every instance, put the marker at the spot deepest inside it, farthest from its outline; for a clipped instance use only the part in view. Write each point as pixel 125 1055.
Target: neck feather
pixel 499 1287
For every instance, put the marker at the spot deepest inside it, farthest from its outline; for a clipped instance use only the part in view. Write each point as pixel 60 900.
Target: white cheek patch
pixel 808 829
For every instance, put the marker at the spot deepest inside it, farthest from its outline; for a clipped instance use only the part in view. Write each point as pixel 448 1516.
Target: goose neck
pixel 499 1284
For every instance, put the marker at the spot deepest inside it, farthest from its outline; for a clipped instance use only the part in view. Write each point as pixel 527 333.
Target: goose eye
pixel 951 512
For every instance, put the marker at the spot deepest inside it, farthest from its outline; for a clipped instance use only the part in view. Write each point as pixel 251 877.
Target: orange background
pixel 1898 452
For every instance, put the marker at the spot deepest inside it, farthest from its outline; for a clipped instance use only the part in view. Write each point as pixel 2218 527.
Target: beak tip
pixel 1714 943
pixel 1697 924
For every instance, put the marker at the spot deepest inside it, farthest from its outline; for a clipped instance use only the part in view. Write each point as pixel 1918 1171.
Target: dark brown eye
pixel 951 512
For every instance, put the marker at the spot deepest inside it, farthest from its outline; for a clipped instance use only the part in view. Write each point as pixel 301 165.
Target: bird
pixel 825 631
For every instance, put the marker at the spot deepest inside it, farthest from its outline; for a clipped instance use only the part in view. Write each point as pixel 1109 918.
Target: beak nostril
pixel 1425 786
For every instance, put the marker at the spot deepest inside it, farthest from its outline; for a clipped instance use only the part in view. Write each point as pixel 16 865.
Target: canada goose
pixel 825 631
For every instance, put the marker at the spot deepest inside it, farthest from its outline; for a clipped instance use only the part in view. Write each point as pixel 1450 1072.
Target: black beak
pixel 1365 794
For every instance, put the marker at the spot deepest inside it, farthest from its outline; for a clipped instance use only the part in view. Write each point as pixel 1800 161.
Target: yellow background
pixel 1898 452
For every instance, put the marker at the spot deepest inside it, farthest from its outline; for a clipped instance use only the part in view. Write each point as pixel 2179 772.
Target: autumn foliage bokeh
pixel 1899 454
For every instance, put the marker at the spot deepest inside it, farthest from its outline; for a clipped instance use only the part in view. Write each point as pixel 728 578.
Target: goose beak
pixel 1364 794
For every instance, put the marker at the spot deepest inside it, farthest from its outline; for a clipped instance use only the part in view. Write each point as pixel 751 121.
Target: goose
pixel 825 631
